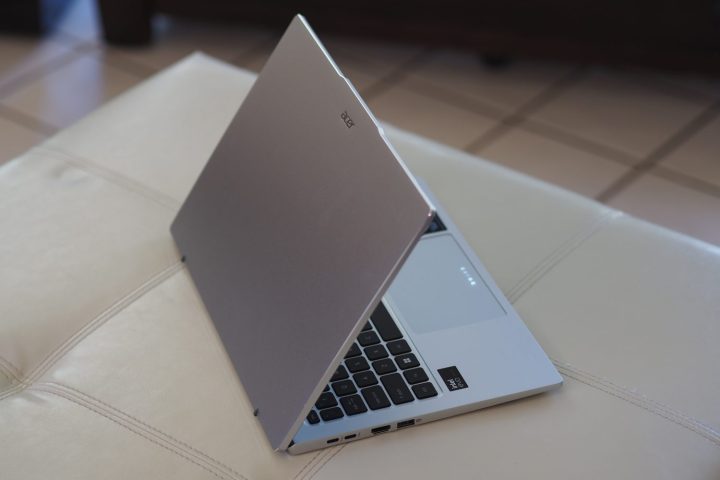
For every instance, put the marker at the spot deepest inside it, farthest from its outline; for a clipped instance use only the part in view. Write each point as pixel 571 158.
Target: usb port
pixel 382 429
pixel 333 440
pixel 406 423
pixel 348 437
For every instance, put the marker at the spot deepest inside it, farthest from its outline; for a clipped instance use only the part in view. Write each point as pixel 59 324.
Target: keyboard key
pixel 415 375
pixel 340 374
pixel 396 388
pixel 367 327
pixel 357 364
pixel 376 352
pixel 398 346
pixel 375 397
pixel 325 400
pixel 368 338
pixel 344 387
pixel 353 405
pixel 384 366
pixel 424 390
pixel 364 379
pixel 384 324
pixel 331 414
pixel 354 351
pixel 406 361
pixel 327 388
pixel 313 417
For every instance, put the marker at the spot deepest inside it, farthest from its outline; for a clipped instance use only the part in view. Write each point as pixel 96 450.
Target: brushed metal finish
pixel 295 229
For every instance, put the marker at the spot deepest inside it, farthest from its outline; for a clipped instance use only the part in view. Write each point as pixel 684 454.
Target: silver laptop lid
pixel 296 227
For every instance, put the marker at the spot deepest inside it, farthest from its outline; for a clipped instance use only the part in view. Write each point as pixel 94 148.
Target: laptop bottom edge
pixel 352 435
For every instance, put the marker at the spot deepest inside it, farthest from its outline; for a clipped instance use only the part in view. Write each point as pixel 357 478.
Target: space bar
pixel 384 324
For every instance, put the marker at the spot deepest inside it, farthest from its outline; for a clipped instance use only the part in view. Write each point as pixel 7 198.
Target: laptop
pixel 346 298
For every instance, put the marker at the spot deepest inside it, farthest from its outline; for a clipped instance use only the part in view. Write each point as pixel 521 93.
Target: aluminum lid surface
pixel 295 229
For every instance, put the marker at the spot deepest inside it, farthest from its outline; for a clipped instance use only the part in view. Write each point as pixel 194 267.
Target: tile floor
pixel 644 142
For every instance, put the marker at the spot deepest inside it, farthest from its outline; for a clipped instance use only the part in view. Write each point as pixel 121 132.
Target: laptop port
pixel 406 423
pixel 382 429
pixel 333 440
pixel 348 437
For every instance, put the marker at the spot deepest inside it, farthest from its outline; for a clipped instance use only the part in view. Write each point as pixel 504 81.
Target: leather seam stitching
pixel 104 316
pixel 12 372
pixel 704 431
pixel 549 262
pixel 131 429
pixel 179 443
pixel 7 369
pixel 516 292
pixel 297 475
pixel 111 176
pixel 9 387
pixel 325 462
pixel 622 393
pixel 649 402
pixel 92 325
pixel 12 390
pixel 56 354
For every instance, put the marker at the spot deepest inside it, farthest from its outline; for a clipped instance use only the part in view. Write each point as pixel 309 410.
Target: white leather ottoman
pixel 110 368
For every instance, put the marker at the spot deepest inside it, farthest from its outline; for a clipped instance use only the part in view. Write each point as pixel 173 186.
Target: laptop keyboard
pixel 379 370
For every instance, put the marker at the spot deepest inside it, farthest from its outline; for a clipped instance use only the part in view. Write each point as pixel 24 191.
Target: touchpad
pixel 438 288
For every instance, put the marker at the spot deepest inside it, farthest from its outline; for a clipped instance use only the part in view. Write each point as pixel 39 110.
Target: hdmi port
pixel 382 429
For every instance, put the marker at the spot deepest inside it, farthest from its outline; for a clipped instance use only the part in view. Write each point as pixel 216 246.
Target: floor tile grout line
pixel 428 89
pixel 251 52
pixel 572 140
pixel 451 97
pixel 552 91
pixel 517 119
pixel 385 82
pixel 27 121
pixel 44 69
pixel 84 47
pixel 79 38
pixel 685 133
pixel 56 64
pixel 68 39
pixel 620 184
pixel 396 75
pixel 117 59
pixel 685 180
pixel 663 85
pixel 665 148
pixel 520 119
pixel 340 54
pixel 490 136
pixel 547 94
pixel 129 65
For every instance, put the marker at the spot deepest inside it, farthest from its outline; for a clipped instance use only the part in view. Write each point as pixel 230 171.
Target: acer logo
pixel 346 118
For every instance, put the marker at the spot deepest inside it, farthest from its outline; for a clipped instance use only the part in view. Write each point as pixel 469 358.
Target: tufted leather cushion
pixel 110 367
